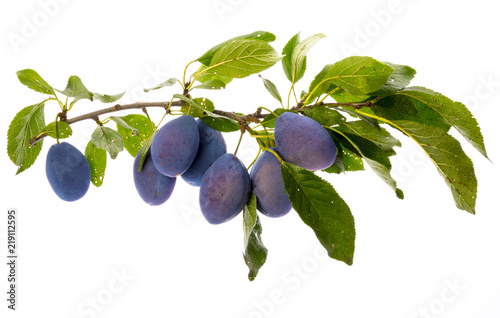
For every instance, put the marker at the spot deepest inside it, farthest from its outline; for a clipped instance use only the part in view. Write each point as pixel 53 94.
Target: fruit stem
pixel 239 142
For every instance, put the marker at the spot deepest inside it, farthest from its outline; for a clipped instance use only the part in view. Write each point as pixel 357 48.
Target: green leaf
pixel 298 57
pixel 264 142
pixel 199 107
pixel 358 75
pixel 97 162
pixel 257 35
pixel 322 209
pixel 122 123
pixel 207 77
pixel 398 80
pixel 108 98
pixel 32 80
pixel 446 153
pixel 345 161
pixel 76 89
pixel 107 139
pixel 220 123
pixel 169 82
pixel 242 57
pixel 378 135
pixel 287 57
pixel 319 86
pixel 145 149
pixel 271 88
pixel 324 115
pixel 212 84
pixel 28 123
pixel 131 141
pixel 375 157
pixel 439 111
pixel 255 254
pixel 63 128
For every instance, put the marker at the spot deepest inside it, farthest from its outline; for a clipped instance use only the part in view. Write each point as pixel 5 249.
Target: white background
pixel 414 257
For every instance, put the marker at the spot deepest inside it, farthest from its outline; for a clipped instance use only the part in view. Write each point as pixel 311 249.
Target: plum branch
pixel 242 120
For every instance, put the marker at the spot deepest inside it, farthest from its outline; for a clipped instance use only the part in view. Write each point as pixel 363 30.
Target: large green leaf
pixel 446 153
pixel 257 35
pixel 255 254
pixel 28 123
pixel 242 57
pixel 324 115
pixel 76 89
pixel 287 58
pixel 398 80
pixel 429 107
pixel 346 160
pixel 379 136
pixel 321 208
pixel 107 139
pixel 97 162
pixel 31 79
pixel 357 75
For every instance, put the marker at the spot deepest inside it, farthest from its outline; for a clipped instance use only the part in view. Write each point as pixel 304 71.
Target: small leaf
pixel 255 254
pixel 220 123
pixel 271 88
pixel 63 128
pixel 97 162
pixel 324 115
pixel 287 57
pixel 207 77
pixel 242 57
pixel 76 89
pixel 132 142
pixel 108 98
pixel 298 58
pixel 257 35
pixel 107 139
pixel 199 107
pixel 322 209
pixel 145 150
pixel 169 82
pixel 32 80
pixel 28 123
pixel 212 84
pixel 122 123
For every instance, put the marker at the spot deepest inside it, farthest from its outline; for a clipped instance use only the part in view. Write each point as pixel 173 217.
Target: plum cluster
pixel 191 149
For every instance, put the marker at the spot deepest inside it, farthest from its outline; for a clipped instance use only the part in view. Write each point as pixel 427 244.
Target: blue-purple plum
pixel 175 146
pixel 68 171
pixel 268 187
pixel 225 189
pixel 212 146
pixel 304 142
pixel 153 187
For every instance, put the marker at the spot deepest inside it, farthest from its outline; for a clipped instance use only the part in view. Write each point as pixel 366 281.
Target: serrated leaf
pixel 257 35
pixel 107 139
pixel 439 111
pixel 271 88
pixel 33 80
pixel 375 157
pixel 324 115
pixel 169 82
pixel 445 151
pixel 76 89
pixel 212 84
pixel 242 57
pixel 255 254
pixel 132 142
pixel 28 123
pixel 97 162
pixel 298 58
pixel 321 208
pixel 122 123
pixel 398 80
pixel 358 75
pixel 63 128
